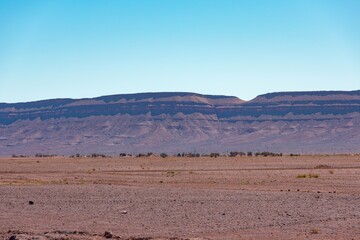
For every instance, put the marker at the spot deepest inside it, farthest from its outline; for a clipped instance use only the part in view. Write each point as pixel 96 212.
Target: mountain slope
pixel 303 122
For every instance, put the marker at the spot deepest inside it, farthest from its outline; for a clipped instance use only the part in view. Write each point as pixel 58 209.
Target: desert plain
pixel 298 197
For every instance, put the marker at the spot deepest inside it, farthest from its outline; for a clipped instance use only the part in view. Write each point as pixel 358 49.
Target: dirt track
pixel 183 198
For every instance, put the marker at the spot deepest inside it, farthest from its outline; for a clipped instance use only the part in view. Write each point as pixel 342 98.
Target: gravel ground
pixel 257 198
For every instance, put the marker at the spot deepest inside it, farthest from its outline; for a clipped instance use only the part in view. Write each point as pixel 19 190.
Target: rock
pixel 108 234
pixel 124 212
pixel 31 202
pixel 13 237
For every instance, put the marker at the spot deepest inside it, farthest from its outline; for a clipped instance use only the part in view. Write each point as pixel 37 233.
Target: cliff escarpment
pixel 301 122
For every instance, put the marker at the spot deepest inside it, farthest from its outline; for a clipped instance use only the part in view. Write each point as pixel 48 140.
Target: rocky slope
pixel 301 122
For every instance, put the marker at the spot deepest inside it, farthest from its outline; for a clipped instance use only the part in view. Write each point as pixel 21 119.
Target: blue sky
pixel 88 48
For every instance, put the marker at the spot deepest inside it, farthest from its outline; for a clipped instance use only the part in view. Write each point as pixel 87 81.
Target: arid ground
pixel 303 197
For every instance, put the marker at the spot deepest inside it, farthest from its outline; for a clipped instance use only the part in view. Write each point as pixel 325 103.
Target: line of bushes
pixel 164 155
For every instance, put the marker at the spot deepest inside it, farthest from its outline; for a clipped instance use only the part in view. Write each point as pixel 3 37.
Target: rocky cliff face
pixel 301 122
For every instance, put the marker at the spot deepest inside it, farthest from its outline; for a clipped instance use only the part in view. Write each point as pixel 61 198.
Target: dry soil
pixel 304 197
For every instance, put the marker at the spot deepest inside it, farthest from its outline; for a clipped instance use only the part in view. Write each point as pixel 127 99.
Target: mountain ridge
pixel 303 122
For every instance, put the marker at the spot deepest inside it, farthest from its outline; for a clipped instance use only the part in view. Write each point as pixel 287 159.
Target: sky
pixel 90 48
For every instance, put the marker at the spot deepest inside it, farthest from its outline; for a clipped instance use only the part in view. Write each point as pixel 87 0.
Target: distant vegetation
pixel 164 155
pixel 310 175
pixel 212 155
pixel 93 155
pixel 18 156
pixel 45 155
pixel 268 154
pixel 231 154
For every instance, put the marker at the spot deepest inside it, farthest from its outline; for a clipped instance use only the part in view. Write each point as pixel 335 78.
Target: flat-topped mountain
pixel 132 104
pixel 301 122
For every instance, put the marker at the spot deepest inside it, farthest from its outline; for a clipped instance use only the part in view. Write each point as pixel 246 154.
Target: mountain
pixel 298 122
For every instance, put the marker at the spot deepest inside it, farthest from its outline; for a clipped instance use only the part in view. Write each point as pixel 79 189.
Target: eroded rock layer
pixel 299 122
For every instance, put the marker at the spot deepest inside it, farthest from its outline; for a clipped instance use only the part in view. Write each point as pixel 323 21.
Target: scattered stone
pixel 31 202
pixel 108 234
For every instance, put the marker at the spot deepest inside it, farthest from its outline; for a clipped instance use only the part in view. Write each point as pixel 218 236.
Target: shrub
pixel 45 155
pixel 95 155
pixel 18 156
pixel 314 231
pixel 268 154
pixel 235 154
pixel 141 155
pixel 323 166
pixel 313 175
pixel 310 175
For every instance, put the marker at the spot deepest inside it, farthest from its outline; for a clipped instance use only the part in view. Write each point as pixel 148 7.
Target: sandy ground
pixel 306 197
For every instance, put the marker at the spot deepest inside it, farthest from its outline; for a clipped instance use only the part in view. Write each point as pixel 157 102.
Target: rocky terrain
pixel 289 122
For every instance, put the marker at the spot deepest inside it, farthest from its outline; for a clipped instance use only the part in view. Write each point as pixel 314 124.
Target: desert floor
pixel 304 197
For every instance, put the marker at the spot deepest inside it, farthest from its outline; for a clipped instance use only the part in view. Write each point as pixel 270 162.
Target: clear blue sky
pixel 88 48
